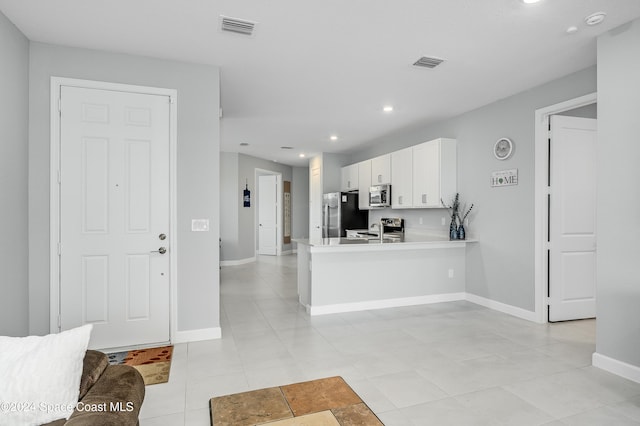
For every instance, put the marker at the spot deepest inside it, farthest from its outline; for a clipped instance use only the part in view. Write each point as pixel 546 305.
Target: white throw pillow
pixel 40 376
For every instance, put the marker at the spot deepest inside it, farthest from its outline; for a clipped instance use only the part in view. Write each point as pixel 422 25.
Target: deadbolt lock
pixel 162 237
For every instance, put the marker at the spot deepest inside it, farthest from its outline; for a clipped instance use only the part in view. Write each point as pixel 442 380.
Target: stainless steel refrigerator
pixel 340 212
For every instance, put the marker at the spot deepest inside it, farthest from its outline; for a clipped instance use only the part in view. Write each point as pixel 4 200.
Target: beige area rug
pixel 154 364
pixel 322 402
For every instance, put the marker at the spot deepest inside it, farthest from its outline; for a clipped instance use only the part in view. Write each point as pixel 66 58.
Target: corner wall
pixel 300 201
pixel 198 178
pixel 14 130
pixel 618 285
pixel 230 205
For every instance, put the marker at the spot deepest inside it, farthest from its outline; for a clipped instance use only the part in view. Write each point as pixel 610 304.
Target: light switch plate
pixel 200 225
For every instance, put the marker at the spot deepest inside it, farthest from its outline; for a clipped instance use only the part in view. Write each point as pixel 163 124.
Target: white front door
pixel 267 215
pixel 114 215
pixel 572 221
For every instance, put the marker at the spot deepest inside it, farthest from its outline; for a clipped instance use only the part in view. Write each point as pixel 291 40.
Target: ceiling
pixel 313 69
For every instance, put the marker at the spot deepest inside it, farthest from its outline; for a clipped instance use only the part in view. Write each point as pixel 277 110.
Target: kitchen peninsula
pixel 347 274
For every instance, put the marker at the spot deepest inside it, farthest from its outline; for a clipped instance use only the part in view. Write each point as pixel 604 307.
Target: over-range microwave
pixel 380 196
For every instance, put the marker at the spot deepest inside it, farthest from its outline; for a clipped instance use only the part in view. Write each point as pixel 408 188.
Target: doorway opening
pixel 579 106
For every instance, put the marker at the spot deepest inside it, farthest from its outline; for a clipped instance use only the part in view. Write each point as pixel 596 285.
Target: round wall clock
pixel 503 148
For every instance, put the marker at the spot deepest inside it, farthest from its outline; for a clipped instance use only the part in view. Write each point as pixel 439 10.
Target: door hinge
pixel 548 301
pixel 59 249
pixel 59 177
pixel 171 100
pixel 60 106
pixel 59 323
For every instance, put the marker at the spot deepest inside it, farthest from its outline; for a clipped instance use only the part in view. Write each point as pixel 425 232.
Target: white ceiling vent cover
pixel 235 25
pixel 428 62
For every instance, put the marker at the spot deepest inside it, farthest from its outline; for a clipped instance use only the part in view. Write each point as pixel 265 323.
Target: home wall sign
pixel 504 178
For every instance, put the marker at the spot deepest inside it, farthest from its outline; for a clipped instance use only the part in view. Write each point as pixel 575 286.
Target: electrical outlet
pixel 443 221
pixel 450 273
pixel 420 221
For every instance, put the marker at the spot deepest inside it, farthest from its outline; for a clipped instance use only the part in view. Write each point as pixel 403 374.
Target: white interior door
pixel 114 207
pixel 267 215
pixel 572 221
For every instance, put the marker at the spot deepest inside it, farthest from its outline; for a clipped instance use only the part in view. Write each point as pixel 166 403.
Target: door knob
pixel 161 250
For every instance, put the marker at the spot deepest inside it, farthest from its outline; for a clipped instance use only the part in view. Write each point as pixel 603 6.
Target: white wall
pixel 198 176
pixel 230 204
pixel 300 203
pixel 14 113
pixel 618 291
pixel 501 266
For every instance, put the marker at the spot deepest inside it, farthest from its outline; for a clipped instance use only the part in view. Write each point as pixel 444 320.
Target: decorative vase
pixel 461 233
pixel 453 230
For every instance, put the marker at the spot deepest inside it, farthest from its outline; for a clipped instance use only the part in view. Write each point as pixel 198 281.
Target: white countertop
pixel 409 242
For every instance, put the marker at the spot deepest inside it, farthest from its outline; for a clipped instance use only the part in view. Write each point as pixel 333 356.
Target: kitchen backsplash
pixel 420 220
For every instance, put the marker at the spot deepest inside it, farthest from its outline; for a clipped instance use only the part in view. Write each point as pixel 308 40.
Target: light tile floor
pixel 444 364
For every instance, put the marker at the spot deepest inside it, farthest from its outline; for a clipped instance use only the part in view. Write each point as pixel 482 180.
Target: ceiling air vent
pixel 428 62
pixel 236 25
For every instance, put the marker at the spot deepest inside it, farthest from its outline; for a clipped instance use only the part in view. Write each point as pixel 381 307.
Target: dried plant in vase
pixel 461 218
pixel 458 215
pixel 453 210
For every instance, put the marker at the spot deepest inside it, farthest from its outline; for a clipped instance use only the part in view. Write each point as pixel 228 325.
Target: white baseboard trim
pixel 286 252
pixel 197 335
pixel 502 307
pixel 237 262
pixel 382 304
pixel 619 368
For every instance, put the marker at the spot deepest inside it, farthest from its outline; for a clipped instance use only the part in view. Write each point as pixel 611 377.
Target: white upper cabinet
pixel 381 169
pixel 434 172
pixel 364 182
pixel 402 178
pixel 349 178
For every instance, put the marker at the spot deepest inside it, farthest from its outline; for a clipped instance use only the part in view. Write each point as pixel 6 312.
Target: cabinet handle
pixel 379 178
pixel 400 200
pixel 348 184
pixel 424 198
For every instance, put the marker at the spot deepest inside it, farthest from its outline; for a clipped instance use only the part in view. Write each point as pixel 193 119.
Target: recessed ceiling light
pixel 244 144
pixel 595 18
pixel 333 137
pixel 301 155
pixel 572 30
pixel 530 1
pixel 387 108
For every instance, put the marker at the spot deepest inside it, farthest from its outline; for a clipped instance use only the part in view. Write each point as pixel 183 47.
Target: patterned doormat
pixel 322 402
pixel 153 363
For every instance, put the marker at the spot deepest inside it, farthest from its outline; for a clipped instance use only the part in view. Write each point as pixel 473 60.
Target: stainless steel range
pixel 392 227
